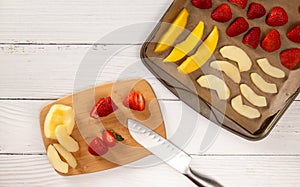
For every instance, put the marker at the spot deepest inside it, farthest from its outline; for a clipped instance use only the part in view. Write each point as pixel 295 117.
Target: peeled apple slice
pixel 265 65
pixel 65 139
pixel 202 55
pixel 261 84
pixel 55 160
pixel 66 155
pixel 59 115
pixel 173 32
pixel 252 97
pixel 215 83
pixel 244 110
pixel 238 55
pixel 182 49
pixel 230 70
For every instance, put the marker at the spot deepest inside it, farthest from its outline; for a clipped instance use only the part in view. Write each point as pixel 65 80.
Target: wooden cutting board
pixel 87 128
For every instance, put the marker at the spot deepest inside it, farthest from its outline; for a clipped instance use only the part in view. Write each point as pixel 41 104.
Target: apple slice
pixel 261 84
pixel 265 65
pixel 238 55
pixel 244 110
pixel 59 115
pixel 65 139
pixel 215 83
pixel 202 55
pixel 252 97
pixel 55 160
pixel 183 48
pixel 176 28
pixel 66 155
pixel 229 69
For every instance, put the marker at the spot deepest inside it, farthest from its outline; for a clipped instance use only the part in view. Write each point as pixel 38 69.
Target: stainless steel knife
pixel 168 153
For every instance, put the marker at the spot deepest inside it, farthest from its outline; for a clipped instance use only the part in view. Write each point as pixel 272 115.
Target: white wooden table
pixel 42 44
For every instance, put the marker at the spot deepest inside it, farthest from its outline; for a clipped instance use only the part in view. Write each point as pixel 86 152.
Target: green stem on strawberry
pixel 117 136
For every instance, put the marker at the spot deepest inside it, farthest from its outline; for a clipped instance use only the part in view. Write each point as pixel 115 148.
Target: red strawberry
pixel 222 13
pixel 135 101
pixel 272 41
pixel 203 4
pixel 108 138
pixel 255 10
pixel 290 58
pixel 97 147
pixel 237 27
pixel 103 107
pixel 240 3
pixel 294 35
pixel 252 37
pixel 277 17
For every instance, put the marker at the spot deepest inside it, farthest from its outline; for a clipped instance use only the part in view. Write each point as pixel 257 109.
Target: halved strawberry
pixel 97 147
pixel 237 27
pixel 108 138
pixel 290 58
pixel 255 10
pixel 272 41
pixel 294 34
pixel 135 101
pixel 203 4
pixel 103 107
pixel 277 17
pixel 222 13
pixel 240 3
pixel 252 37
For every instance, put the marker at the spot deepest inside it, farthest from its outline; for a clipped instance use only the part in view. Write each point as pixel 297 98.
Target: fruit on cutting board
pixel 202 55
pixel 66 155
pixel 202 4
pixel 97 147
pixel 175 29
pixel 261 84
pixel 270 70
pixel 294 34
pixel 241 3
pixel 229 69
pixel 238 55
pixel 135 101
pixel 277 17
pixel 237 27
pixel 255 10
pixel 244 110
pixel 222 13
pixel 59 115
pixel 108 138
pixel 56 161
pixel 252 37
pixel 65 139
pixel 252 97
pixel 183 48
pixel 103 107
pixel 215 83
pixel 272 41
pixel 290 58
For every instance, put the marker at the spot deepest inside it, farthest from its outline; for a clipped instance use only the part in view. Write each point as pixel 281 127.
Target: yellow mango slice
pixel 202 55
pixel 183 48
pixel 176 28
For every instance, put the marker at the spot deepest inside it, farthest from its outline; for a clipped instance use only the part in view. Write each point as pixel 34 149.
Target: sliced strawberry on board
pixel 272 41
pixel 290 58
pixel 222 13
pixel 294 34
pixel 135 101
pixel 252 38
pixel 108 138
pixel 277 17
pixel 202 4
pixel 237 27
pixel 255 10
pixel 103 107
pixel 241 3
pixel 97 147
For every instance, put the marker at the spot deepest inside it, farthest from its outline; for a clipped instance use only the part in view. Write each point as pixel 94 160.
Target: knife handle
pixel 201 180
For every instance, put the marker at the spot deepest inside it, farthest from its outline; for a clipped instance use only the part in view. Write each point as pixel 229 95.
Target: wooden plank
pixel 73 21
pixel 35 170
pixel 20 132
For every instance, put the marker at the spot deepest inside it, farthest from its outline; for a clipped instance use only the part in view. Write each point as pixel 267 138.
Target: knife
pixel 168 152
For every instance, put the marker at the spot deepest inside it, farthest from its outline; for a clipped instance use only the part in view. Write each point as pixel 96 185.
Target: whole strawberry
pixel 272 41
pixel 241 3
pixel 222 13
pixel 294 34
pixel 252 37
pixel 277 17
pixel 255 10
pixel 290 58
pixel 237 27
pixel 202 4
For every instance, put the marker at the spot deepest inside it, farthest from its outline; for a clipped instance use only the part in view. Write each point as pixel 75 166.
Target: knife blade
pixel 168 152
